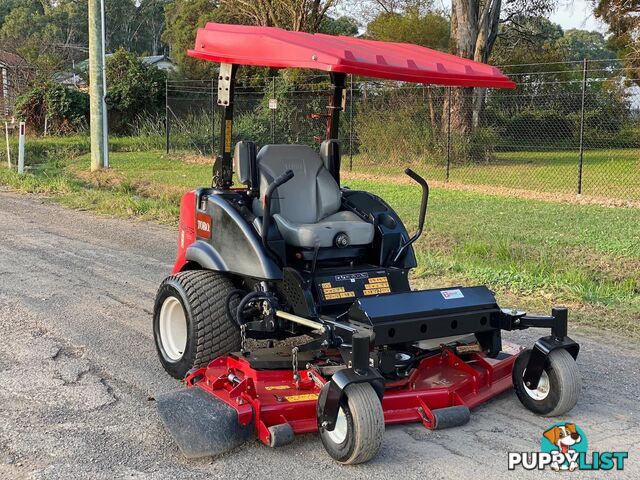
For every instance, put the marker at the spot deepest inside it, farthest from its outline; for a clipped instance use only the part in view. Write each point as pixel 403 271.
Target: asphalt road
pixel 78 372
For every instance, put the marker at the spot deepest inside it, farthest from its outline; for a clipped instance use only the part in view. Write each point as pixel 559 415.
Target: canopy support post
pixel 337 103
pixel 222 167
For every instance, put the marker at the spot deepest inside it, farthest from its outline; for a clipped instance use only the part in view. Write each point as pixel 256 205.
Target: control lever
pixel 423 212
pixel 266 211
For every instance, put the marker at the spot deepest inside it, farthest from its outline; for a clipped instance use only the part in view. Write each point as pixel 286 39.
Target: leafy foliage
pixel 183 18
pixel 429 29
pixel 133 88
pixel 65 110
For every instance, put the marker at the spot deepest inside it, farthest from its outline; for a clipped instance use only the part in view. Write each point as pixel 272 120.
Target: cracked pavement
pixel 78 373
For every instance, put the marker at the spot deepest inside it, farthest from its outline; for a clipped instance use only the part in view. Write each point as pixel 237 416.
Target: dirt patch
pixel 502 191
pixel 107 178
pixel 110 179
pixel 155 190
pixel 197 159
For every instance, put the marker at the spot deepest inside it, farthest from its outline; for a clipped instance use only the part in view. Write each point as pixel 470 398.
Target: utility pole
pixel 105 124
pixel 98 110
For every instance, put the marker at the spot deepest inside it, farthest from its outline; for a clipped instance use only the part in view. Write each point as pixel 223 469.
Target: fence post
pixel 273 110
pixel 213 118
pixel 23 133
pixel 351 122
pixel 584 88
pixel 166 113
pixel 6 134
pixel 448 134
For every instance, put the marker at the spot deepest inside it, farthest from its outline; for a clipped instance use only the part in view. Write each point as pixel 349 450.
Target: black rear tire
pixel 559 386
pixel 209 333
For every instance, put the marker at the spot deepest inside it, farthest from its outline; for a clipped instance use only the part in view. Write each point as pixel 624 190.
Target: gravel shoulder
pixel 78 373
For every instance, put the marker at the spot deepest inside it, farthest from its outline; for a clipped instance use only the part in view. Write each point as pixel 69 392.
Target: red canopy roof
pixel 277 48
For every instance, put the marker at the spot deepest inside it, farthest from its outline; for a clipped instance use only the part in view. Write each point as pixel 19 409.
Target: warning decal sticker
pixel 451 294
pixel 301 398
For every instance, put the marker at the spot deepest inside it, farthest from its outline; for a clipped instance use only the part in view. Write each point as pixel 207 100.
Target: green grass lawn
pixel 610 173
pixel 533 253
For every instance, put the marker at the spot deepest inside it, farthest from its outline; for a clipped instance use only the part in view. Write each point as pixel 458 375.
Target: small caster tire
pixel 357 436
pixel 280 435
pixel 559 385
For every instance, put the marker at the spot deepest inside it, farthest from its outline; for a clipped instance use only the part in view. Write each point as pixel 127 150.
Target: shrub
pixel 66 110
pixel 540 124
pixel 133 88
pixel 401 134
pixel 477 147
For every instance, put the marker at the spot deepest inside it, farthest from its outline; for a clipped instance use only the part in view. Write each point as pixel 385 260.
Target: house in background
pixel 161 62
pixel 14 74
pixel 77 78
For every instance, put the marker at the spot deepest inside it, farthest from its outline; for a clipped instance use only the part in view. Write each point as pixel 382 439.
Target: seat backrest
pixel 311 195
pixel 330 155
pixel 244 164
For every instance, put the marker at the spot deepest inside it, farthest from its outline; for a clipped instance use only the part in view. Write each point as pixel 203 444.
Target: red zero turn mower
pixel 290 253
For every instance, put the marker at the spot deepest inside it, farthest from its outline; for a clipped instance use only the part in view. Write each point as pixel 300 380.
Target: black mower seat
pixel 307 208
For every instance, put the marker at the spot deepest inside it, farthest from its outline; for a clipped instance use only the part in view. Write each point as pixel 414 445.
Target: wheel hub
pixel 173 328
pixel 542 391
pixel 339 433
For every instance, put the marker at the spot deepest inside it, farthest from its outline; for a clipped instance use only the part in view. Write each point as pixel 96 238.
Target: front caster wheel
pixel 358 433
pixel 559 385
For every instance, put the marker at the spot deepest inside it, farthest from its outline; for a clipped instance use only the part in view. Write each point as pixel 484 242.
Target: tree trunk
pixel 479 95
pixel 432 112
pixel 461 109
pixel 474 29
pixel 464 33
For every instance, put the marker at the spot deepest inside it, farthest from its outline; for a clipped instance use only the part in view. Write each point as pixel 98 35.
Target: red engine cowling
pixel 186 229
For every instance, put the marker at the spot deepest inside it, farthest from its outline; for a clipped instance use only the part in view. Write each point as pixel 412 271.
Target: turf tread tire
pixel 565 383
pixel 203 294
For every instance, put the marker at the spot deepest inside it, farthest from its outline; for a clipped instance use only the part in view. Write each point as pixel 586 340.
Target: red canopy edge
pixel 277 48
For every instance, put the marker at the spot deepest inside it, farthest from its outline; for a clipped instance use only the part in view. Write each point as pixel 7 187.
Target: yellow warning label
pixel 336 296
pixel 301 398
pixel 227 135
pixel 375 285
pixel 378 280
pixel 376 291
pixel 326 285
pixel 277 387
pixel 334 290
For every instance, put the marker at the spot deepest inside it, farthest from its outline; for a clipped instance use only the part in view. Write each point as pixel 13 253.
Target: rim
pixel 543 389
pixel 339 434
pixel 173 329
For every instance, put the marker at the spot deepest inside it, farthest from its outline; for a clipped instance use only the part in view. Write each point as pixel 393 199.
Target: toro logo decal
pixel 203 225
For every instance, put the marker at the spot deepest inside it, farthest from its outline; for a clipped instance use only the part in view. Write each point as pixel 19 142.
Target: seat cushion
pixel 309 196
pixel 323 232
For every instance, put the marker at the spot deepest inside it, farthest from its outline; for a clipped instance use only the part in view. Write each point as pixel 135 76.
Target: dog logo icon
pixel 568 440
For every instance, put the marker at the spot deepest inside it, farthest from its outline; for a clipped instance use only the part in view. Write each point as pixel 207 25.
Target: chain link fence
pixel 568 128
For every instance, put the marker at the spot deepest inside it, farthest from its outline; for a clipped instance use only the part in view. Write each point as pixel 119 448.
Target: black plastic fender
pixel 331 395
pixel 539 353
pixel 234 245
pixel 206 256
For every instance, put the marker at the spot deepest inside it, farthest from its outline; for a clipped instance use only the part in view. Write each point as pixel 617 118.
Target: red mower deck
pixel 441 381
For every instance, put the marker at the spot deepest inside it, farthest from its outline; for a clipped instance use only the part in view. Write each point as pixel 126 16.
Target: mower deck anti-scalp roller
pixel 200 424
pixel 288 253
